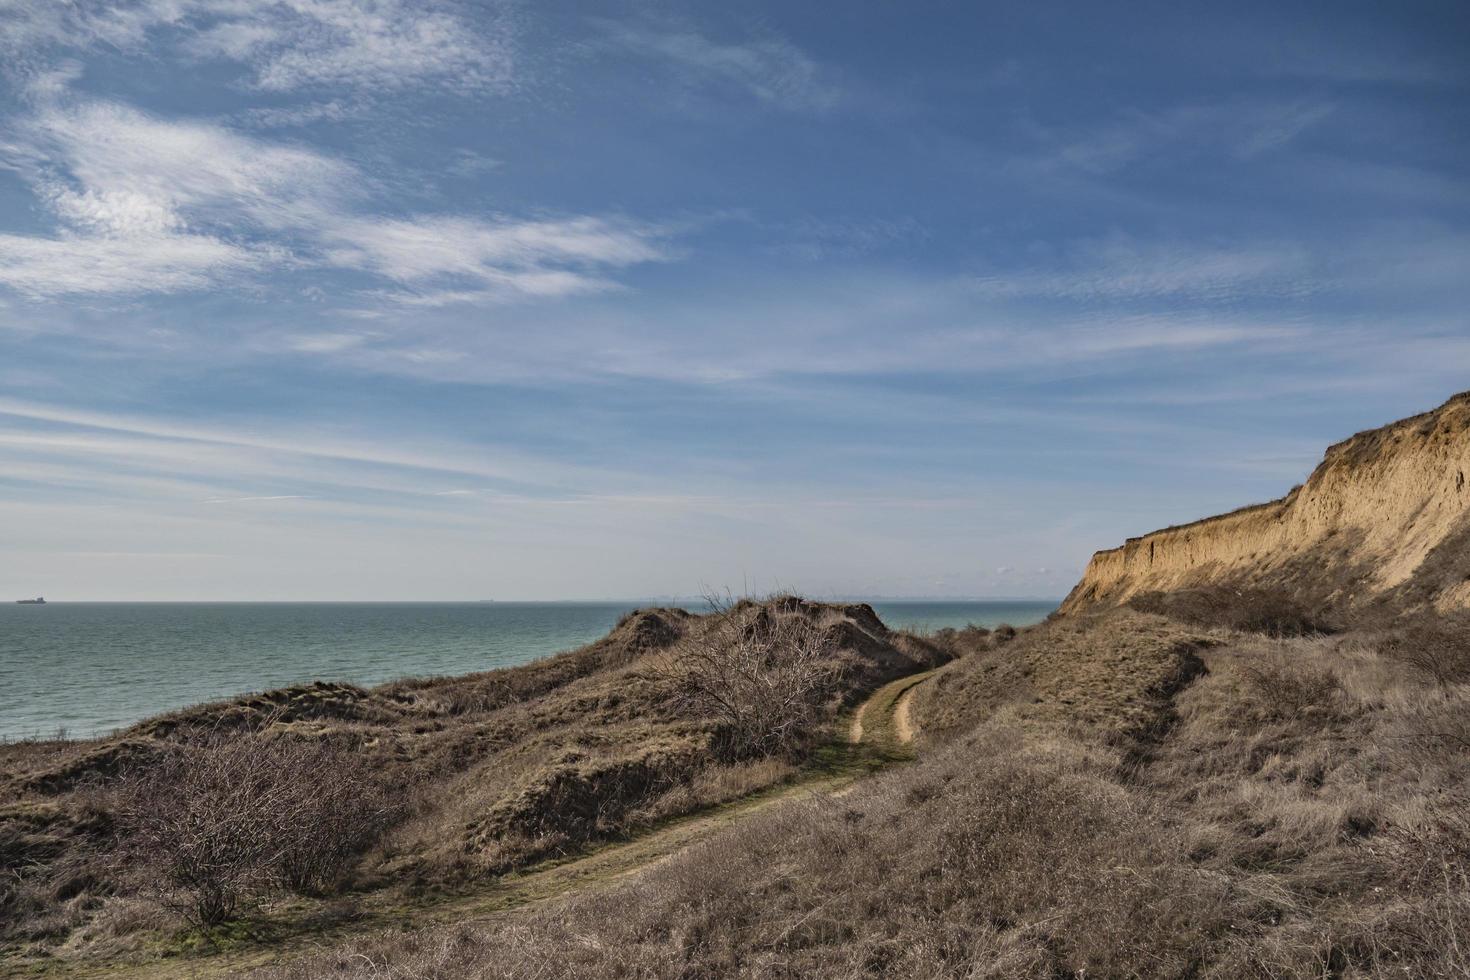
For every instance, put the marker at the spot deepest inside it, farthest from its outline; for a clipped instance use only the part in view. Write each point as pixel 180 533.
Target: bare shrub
pixel 958 642
pixel 1249 610
pixel 213 825
pixel 1284 692
pixel 1436 646
pixel 765 675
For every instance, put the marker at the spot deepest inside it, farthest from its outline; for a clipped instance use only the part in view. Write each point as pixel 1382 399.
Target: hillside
pixel 322 794
pixel 1382 522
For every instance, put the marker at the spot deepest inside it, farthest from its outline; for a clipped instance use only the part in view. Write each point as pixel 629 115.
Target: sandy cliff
pixel 1384 519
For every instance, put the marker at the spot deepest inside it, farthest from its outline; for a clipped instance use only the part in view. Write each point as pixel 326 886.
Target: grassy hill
pixel 324 793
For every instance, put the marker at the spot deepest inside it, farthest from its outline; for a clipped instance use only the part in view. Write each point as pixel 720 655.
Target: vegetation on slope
pixel 1121 795
pixel 422 786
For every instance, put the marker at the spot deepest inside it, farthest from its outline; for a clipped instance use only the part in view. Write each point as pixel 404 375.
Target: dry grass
pixel 1121 795
pixel 209 810
pixel 1245 609
pixel 1107 675
pixel 1229 805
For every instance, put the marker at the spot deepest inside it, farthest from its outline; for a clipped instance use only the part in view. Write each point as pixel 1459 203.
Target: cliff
pixel 1383 520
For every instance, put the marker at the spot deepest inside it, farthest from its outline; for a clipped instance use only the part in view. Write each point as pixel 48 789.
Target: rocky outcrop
pixel 1384 519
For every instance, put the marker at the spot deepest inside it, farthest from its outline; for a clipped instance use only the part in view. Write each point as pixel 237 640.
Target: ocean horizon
pixel 81 669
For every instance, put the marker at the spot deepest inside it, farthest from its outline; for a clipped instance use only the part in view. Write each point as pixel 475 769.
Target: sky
pixel 420 299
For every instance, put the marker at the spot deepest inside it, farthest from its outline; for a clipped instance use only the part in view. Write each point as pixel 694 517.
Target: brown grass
pixel 416 786
pixel 1123 797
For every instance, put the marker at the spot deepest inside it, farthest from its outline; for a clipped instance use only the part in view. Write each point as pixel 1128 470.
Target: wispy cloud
pixel 533 258
pixel 309 114
pixel 246 500
pixel 770 68
pixel 291 44
pixel 167 459
pixel 144 204
pixel 1242 129
pixel 1121 267
pixel 119 264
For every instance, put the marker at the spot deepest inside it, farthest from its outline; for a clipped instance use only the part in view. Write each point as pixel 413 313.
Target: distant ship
pixel 37 601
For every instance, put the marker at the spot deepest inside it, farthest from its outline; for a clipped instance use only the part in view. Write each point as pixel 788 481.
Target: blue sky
pixel 372 299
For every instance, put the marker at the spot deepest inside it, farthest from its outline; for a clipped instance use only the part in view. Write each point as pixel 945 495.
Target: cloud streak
pixel 770 68
pixel 288 45
pixel 148 205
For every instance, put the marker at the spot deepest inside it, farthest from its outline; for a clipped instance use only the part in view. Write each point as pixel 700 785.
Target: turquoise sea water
pixel 89 668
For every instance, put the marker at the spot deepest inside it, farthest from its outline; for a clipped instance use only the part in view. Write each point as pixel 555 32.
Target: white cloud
pixel 383 43
pixel 145 204
pixel 322 343
pixel 1278 125
pixel 281 117
pixel 290 44
pixel 770 68
pixel 121 156
pixel 533 258
pixel 118 265
pixel 191 446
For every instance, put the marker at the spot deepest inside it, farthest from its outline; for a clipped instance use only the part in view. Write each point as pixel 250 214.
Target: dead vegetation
pixel 1247 609
pixel 224 821
pixel 766 678
pixel 1125 795
pixel 330 790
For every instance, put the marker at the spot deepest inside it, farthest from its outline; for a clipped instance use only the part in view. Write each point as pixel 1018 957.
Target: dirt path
pixel 874 735
pixel 903 717
pixel 855 733
pixel 886 718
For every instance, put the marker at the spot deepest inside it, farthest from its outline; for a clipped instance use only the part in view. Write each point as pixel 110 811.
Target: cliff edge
pixel 1383 521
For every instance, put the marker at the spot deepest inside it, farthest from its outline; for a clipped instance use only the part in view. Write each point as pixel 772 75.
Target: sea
pixel 83 669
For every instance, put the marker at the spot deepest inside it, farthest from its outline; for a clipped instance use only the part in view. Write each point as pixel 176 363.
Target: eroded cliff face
pixel 1385 518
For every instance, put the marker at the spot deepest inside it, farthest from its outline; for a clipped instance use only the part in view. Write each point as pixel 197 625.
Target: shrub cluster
pixel 1245 609
pixel 214 824
pixel 764 676
pixel 1438 646
pixel 1283 692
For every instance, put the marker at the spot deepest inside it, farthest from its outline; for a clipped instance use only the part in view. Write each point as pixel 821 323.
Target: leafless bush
pixel 763 673
pixel 215 824
pixel 1248 610
pixel 1284 692
pixel 958 642
pixel 1436 646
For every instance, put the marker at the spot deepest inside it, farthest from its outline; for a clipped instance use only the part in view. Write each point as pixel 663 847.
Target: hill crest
pixel 1382 521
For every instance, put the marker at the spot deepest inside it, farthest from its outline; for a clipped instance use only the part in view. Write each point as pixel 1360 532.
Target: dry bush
pixel 215 824
pixel 1438 646
pixel 504 768
pixel 764 675
pixel 958 642
pixel 1283 691
pixel 989 863
pixel 1248 610
pixel 1303 815
pixel 1432 855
